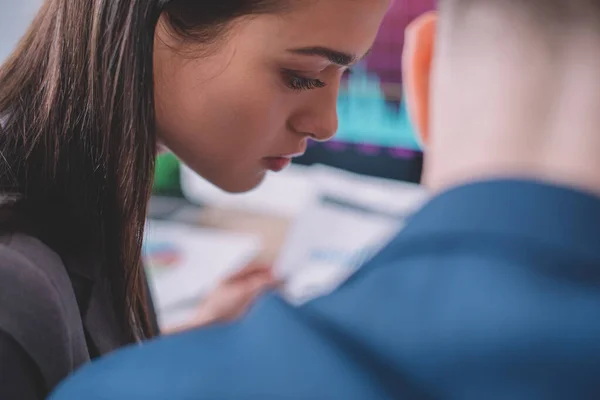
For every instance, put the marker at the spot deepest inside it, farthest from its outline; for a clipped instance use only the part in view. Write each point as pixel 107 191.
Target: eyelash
pixel 296 82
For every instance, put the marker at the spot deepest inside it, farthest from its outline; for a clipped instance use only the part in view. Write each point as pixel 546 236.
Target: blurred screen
pixel 375 136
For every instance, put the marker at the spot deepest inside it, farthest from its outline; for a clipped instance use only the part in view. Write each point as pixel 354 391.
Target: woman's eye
pixel 296 81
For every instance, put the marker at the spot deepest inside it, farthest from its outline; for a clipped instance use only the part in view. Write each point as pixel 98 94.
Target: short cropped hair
pixel 551 15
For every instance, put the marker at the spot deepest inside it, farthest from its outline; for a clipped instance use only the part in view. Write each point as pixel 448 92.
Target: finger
pixel 248 296
pixel 250 287
pixel 249 270
pixel 250 290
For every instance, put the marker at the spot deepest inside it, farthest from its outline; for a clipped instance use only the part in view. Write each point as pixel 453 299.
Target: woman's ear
pixel 416 65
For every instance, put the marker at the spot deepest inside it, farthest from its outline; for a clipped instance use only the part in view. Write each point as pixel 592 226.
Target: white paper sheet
pixel 328 242
pixel 185 262
pixel 326 246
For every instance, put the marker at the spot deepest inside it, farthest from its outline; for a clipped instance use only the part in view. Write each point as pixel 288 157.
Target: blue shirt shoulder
pixel 492 291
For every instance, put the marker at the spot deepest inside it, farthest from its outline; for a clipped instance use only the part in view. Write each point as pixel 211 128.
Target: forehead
pixel 344 25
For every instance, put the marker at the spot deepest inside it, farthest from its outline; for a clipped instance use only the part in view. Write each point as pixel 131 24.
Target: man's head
pixel 507 89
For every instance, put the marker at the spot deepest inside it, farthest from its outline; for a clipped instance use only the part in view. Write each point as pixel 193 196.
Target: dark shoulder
pixel 31 271
pixel 39 310
pixel 20 378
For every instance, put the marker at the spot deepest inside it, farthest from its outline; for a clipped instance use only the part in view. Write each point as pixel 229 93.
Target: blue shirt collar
pixel 518 209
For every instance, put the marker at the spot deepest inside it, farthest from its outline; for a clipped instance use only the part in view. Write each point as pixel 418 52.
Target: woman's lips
pixel 282 161
pixel 277 164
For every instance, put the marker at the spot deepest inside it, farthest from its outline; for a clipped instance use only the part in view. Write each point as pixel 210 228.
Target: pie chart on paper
pixel 162 256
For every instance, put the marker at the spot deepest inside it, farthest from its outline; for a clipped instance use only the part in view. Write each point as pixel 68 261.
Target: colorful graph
pixel 161 256
pixel 372 114
pixel 367 117
pixel 341 257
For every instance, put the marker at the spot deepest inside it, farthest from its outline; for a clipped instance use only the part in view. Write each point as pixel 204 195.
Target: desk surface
pixel 270 229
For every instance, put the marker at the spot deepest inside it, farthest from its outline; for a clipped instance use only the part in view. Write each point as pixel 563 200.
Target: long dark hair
pixel 77 128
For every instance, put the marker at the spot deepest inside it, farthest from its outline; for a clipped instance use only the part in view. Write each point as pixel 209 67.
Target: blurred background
pixel 317 221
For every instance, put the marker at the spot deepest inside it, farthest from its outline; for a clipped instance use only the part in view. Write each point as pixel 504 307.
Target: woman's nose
pixel 319 120
pixel 327 126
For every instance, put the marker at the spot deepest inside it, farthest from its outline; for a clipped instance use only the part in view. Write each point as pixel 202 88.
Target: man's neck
pixel 522 108
pixel 475 165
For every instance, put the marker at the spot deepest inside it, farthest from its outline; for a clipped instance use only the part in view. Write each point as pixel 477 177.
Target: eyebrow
pixel 335 56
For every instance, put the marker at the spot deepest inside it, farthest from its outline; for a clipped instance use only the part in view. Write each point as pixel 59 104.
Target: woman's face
pixel 250 103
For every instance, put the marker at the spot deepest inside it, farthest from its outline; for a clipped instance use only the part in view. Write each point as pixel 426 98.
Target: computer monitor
pixel 375 136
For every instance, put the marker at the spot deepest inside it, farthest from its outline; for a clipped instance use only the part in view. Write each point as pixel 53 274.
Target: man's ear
pixel 416 65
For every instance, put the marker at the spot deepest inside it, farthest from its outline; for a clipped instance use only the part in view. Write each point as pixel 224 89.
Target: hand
pixel 232 297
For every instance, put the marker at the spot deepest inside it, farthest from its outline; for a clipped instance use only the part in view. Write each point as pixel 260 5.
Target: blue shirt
pixel 492 291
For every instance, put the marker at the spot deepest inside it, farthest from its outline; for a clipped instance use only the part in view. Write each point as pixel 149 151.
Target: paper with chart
pixel 185 262
pixel 352 220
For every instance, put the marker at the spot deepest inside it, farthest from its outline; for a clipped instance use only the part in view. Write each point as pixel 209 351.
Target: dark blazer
pixel 55 315
pixel 492 291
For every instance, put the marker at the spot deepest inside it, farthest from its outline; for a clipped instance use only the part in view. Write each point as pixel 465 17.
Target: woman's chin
pixel 241 184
